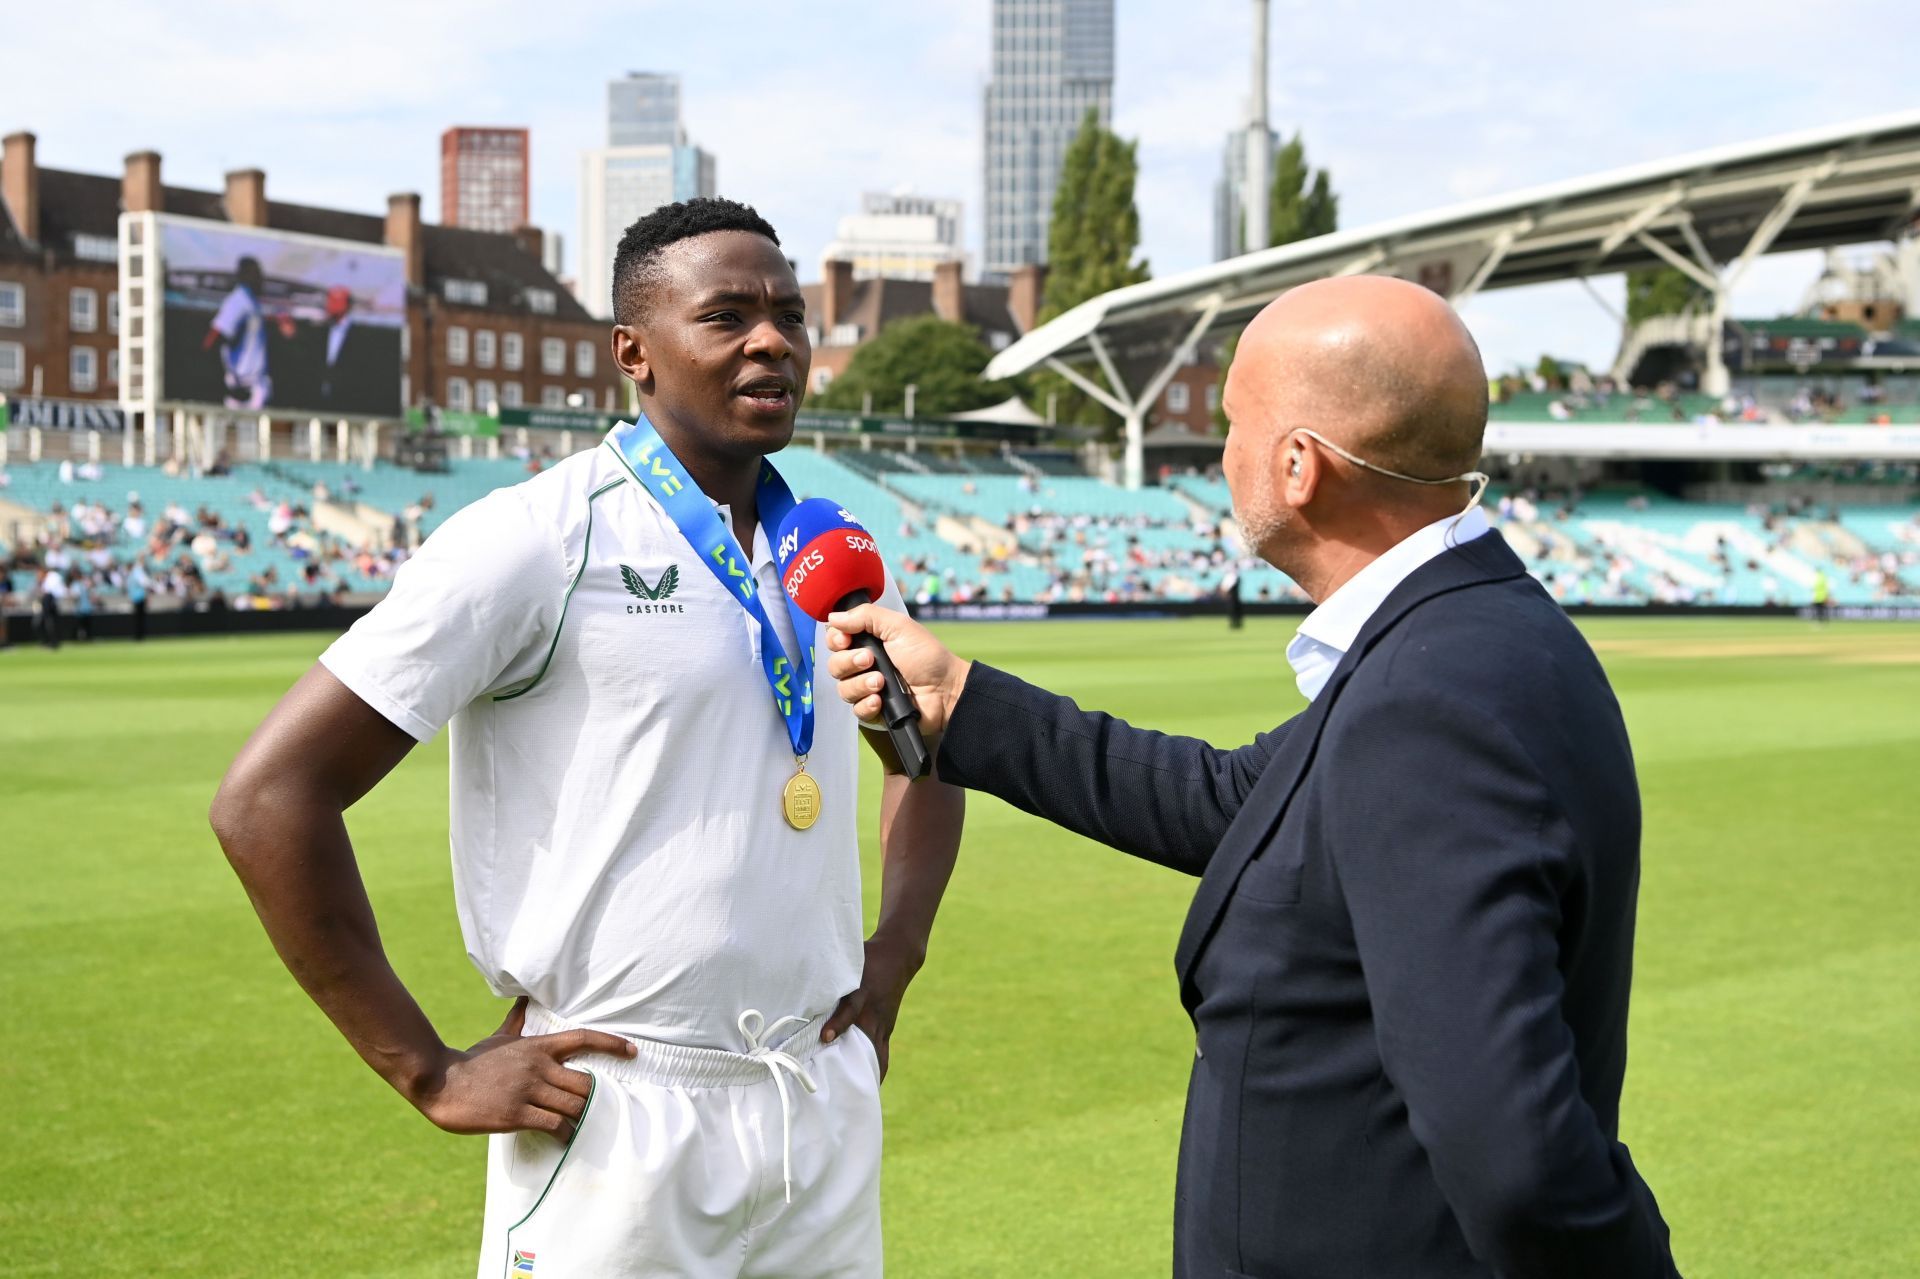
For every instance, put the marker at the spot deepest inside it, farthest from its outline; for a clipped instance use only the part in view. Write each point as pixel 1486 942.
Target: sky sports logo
pixel 856 542
pixel 791 541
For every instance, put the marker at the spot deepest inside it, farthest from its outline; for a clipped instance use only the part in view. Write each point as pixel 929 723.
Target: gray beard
pixel 1260 516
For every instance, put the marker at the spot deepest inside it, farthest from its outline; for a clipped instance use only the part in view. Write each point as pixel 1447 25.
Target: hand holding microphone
pixel 863 638
pixel 831 569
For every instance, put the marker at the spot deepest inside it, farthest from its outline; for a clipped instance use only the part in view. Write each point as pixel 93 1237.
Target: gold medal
pixel 800 800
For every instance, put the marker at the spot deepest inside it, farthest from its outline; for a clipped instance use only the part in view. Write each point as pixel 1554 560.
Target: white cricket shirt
pixel 619 853
pixel 240 322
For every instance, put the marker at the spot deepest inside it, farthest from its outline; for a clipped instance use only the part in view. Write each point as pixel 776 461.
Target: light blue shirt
pixel 1330 630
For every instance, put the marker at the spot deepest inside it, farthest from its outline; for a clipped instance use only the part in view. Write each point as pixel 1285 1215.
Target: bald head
pixel 1381 367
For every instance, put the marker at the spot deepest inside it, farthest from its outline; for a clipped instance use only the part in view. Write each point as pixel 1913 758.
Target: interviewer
pixel 1409 957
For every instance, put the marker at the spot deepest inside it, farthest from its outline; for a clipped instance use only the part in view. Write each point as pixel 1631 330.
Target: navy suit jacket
pixel 1408 960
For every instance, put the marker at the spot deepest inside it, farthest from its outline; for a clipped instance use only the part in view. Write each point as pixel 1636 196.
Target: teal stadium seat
pixel 1617 546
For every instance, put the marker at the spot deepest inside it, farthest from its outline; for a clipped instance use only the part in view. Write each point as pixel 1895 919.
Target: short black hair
pixel 637 261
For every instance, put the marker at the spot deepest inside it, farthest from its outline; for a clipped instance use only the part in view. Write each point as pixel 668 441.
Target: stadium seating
pixel 1539 406
pixel 229 497
pixel 981 533
pixel 395 488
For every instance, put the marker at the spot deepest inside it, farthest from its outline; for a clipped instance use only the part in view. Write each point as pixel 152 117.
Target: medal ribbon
pixel 656 469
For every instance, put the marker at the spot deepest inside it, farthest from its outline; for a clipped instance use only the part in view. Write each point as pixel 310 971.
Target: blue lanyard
pixel 658 471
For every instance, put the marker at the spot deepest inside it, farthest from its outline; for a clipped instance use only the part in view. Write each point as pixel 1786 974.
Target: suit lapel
pixel 1487 558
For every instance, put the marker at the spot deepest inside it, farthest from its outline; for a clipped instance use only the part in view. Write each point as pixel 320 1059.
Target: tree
pixel 1660 290
pixel 1301 204
pixel 940 359
pixel 1090 244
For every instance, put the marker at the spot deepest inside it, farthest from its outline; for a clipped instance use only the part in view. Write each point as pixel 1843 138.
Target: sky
pixel 1411 105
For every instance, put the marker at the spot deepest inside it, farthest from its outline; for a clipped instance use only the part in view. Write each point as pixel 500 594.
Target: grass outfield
pixel 179 1108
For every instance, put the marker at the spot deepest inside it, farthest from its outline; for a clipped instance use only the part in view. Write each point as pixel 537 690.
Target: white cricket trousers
pixel 698 1163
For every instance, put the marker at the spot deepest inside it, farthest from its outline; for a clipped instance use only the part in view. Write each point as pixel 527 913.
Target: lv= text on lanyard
pixel 791 681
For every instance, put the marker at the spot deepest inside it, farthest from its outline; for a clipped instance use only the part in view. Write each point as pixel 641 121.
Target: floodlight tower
pixel 1259 147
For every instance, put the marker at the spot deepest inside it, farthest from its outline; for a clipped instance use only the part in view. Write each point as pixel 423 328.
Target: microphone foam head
pixel 825 556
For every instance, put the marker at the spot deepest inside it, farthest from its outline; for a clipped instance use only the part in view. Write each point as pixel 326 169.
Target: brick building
pixel 1191 395
pixel 486 321
pixel 844 314
pixel 484 178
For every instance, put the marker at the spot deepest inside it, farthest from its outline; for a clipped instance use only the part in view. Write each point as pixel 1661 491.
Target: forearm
pixel 293 856
pixel 920 824
pixel 1164 798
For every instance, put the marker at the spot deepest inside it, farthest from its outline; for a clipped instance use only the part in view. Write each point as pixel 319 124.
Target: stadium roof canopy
pixel 1709 214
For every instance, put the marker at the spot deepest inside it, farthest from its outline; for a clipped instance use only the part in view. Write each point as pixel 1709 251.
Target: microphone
pixel 828 563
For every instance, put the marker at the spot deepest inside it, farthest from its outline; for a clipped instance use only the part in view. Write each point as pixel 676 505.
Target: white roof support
pixel 1183 352
pixel 1846 184
pixel 1604 305
pixel 1105 358
pixel 1496 254
pixel 1364 263
pixel 1775 222
pixel 1691 234
pixel 1134 411
pixel 1135 471
pixel 1708 280
pixel 1086 384
pixel 1628 227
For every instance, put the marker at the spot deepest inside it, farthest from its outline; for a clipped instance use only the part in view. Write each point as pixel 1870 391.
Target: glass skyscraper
pixel 1052 61
pixel 643 110
pixel 646 163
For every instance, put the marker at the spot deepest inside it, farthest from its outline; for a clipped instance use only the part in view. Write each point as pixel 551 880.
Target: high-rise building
pixel 643 110
pixel 483 178
pixel 899 236
pixel 646 163
pixel 1052 62
pixel 1229 194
